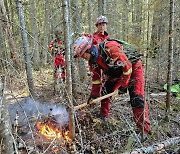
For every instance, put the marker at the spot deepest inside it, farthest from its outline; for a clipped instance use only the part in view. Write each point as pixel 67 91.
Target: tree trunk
pixel 125 21
pixel 76 20
pixel 102 7
pixel 68 68
pixel 2 55
pixel 138 20
pixel 90 16
pixel 6 138
pixel 35 45
pixel 81 64
pixel 170 56
pixel 8 32
pixel 177 40
pixel 157 29
pixel 26 48
pixel 46 31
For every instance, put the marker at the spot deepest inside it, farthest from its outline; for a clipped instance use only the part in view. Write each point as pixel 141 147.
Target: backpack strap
pixel 103 52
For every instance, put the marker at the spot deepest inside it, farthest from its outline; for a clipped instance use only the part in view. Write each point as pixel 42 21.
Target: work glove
pixel 122 90
pixel 115 71
pixel 91 97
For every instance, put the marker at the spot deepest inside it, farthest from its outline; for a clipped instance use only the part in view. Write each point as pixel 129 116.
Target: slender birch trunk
pixel 26 48
pixel 170 57
pixel 68 68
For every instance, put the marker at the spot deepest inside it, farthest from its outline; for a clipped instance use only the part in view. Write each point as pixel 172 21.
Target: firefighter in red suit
pixel 56 49
pixel 120 73
pixel 101 34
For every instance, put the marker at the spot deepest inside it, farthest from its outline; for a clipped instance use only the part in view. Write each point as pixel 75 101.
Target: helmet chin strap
pixel 94 53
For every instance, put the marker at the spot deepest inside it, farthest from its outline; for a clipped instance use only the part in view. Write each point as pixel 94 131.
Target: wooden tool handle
pixel 95 100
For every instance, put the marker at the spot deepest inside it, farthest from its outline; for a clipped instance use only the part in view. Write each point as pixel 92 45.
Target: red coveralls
pixel 99 37
pixel 132 77
pixel 55 47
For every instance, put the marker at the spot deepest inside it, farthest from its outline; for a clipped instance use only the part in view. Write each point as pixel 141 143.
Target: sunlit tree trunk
pixel 68 68
pixel 170 56
pixel 26 48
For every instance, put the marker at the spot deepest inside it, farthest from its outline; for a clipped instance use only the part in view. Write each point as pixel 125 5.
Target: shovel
pixel 96 100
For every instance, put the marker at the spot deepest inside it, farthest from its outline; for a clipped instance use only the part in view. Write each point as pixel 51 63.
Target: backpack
pixel 132 55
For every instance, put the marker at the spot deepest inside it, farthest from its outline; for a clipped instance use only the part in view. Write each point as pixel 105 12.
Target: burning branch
pixel 156 147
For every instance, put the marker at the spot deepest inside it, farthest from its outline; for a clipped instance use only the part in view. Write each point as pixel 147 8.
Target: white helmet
pixel 101 19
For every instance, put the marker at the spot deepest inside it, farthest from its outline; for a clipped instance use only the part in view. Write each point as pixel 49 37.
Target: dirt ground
pixel 92 135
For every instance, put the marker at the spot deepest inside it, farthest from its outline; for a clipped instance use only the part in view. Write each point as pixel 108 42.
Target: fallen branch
pixel 158 94
pixel 156 147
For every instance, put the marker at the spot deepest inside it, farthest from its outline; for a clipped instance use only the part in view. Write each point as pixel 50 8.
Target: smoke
pixel 60 114
pixel 28 109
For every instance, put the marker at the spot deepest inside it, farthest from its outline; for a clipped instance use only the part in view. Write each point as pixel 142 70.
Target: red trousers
pixel 136 92
pixel 59 62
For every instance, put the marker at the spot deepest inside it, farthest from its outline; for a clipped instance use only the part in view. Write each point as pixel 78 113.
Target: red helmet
pixel 81 45
pixel 101 19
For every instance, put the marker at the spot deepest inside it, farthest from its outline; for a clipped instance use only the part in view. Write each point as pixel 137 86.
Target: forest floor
pixel 92 135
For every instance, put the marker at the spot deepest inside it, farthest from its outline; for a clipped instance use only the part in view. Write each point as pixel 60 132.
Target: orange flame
pixel 50 133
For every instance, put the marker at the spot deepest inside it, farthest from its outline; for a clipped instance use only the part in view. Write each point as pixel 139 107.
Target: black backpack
pixel 132 55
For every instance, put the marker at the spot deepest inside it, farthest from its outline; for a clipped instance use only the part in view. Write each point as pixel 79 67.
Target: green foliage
pixel 174 89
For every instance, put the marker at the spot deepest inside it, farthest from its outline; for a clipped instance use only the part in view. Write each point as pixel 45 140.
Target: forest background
pixel 27 27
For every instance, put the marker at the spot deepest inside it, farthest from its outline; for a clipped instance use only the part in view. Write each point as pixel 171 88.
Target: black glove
pixel 91 98
pixel 122 90
pixel 115 71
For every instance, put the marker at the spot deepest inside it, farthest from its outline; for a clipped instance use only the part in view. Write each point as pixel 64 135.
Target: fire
pixel 51 132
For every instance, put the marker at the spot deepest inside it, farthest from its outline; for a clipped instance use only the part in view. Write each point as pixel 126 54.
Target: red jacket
pixel 118 57
pixel 99 37
pixel 56 48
